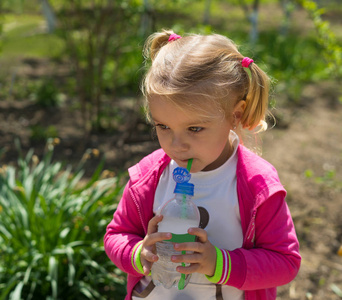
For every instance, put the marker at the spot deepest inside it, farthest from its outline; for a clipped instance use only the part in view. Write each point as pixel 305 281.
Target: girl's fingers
pixel 190 246
pixel 188 270
pixel 197 246
pixel 147 261
pixel 147 270
pixel 149 256
pixel 146 267
pixel 186 258
pixel 153 224
pixel 200 233
pixel 153 238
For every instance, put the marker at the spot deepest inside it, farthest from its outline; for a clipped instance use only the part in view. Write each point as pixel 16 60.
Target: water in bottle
pixel 179 214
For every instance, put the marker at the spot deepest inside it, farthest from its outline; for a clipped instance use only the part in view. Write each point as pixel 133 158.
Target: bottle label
pixel 181 175
pixel 181 238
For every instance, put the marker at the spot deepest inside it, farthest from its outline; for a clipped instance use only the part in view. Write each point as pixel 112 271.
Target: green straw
pixel 184 196
pixel 188 167
pixel 181 283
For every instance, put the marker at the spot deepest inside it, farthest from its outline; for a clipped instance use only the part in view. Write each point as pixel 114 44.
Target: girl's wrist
pixel 135 258
pixel 213 261
pixel 223 267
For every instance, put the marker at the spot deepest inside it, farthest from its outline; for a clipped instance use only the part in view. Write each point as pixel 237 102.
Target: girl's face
pixel 184 133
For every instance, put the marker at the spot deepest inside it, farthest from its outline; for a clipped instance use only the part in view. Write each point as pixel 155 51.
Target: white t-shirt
pixel 216 192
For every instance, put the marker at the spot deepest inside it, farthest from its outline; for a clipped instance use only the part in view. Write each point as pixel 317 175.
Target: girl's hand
pixel 203 260
pixel 148 251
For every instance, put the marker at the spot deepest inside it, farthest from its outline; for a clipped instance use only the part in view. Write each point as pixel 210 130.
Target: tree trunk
pixel 252 15
pixel 253 18
pixel 145 19
pixel 206 16
pixel 287 15
pixel 49 15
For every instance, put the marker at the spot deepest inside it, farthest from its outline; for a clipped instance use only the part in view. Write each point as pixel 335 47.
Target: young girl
pixel 199 90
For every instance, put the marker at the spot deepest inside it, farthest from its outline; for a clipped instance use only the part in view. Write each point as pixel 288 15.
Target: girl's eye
pixel 162 126
pixel 195 129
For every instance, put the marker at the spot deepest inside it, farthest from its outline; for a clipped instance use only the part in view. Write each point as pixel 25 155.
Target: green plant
pixel 98 40
pixel 51 230
pixel 291 60
pixel 328 180
pixel 46 94
pixel 325 37
pixel 41 133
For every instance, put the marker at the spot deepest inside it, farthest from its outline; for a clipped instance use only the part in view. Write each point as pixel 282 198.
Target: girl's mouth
pixel 183 162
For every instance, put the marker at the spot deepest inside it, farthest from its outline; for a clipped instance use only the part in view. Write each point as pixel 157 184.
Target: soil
pixel 312 143
pixel 305 146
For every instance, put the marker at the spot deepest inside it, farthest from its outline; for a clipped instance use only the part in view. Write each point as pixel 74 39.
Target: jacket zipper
pixel 139 211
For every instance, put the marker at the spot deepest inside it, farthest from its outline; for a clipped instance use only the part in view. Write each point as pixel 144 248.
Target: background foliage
pixel 51 231
pixel 102 41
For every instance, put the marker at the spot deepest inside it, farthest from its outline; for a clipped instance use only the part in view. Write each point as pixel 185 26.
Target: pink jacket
pixel 269 256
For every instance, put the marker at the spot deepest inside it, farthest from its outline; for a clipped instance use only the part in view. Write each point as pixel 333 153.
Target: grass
pixel 25 36
pixel 52 224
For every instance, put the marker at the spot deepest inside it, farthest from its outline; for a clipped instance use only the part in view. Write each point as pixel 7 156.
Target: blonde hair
pixel 207 67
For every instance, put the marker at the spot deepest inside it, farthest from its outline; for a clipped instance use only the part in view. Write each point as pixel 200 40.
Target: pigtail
pixel 155 42
pixel 256 99
pixel 152 46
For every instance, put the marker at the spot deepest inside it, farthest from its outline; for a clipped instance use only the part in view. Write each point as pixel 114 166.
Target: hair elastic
pixel 246 62
pixel 174 37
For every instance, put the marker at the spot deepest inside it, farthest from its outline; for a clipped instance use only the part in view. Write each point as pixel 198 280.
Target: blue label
pixel 181 175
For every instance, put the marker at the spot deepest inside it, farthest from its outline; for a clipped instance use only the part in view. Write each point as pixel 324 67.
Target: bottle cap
pixel 181 175
pixel 184 188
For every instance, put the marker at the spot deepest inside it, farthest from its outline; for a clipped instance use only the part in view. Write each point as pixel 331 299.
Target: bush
pixel 41 133
pixel 46 94
pixel 291 60
pixel 51 232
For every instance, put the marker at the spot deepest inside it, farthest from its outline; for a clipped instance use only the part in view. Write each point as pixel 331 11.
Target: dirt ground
pixel 312 141
pixel 305 146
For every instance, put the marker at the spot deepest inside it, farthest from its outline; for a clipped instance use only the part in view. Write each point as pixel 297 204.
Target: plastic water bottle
pixel 179 214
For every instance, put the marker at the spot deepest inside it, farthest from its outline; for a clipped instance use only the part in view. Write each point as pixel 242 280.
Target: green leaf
pixel 71 266
pixel 336 290
pixel 33 263
pixel 53 276
pixel 64 232
pixel 16 294
pixel 12 282
pixel 308 173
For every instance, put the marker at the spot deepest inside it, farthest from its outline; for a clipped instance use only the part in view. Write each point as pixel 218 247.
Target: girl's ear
pixel 238 111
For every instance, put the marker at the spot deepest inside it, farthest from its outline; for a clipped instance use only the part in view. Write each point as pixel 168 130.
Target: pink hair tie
pixel 246 62
pixel 174 37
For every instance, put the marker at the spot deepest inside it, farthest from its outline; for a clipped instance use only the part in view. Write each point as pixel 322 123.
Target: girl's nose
pixel 179 144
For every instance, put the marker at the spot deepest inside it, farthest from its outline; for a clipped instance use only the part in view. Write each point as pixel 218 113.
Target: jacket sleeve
pixel 124 233
pixel 273 261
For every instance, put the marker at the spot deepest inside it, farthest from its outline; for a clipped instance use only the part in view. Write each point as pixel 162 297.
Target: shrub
pixel 46 94
pixel 42 133
pixel 51 231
